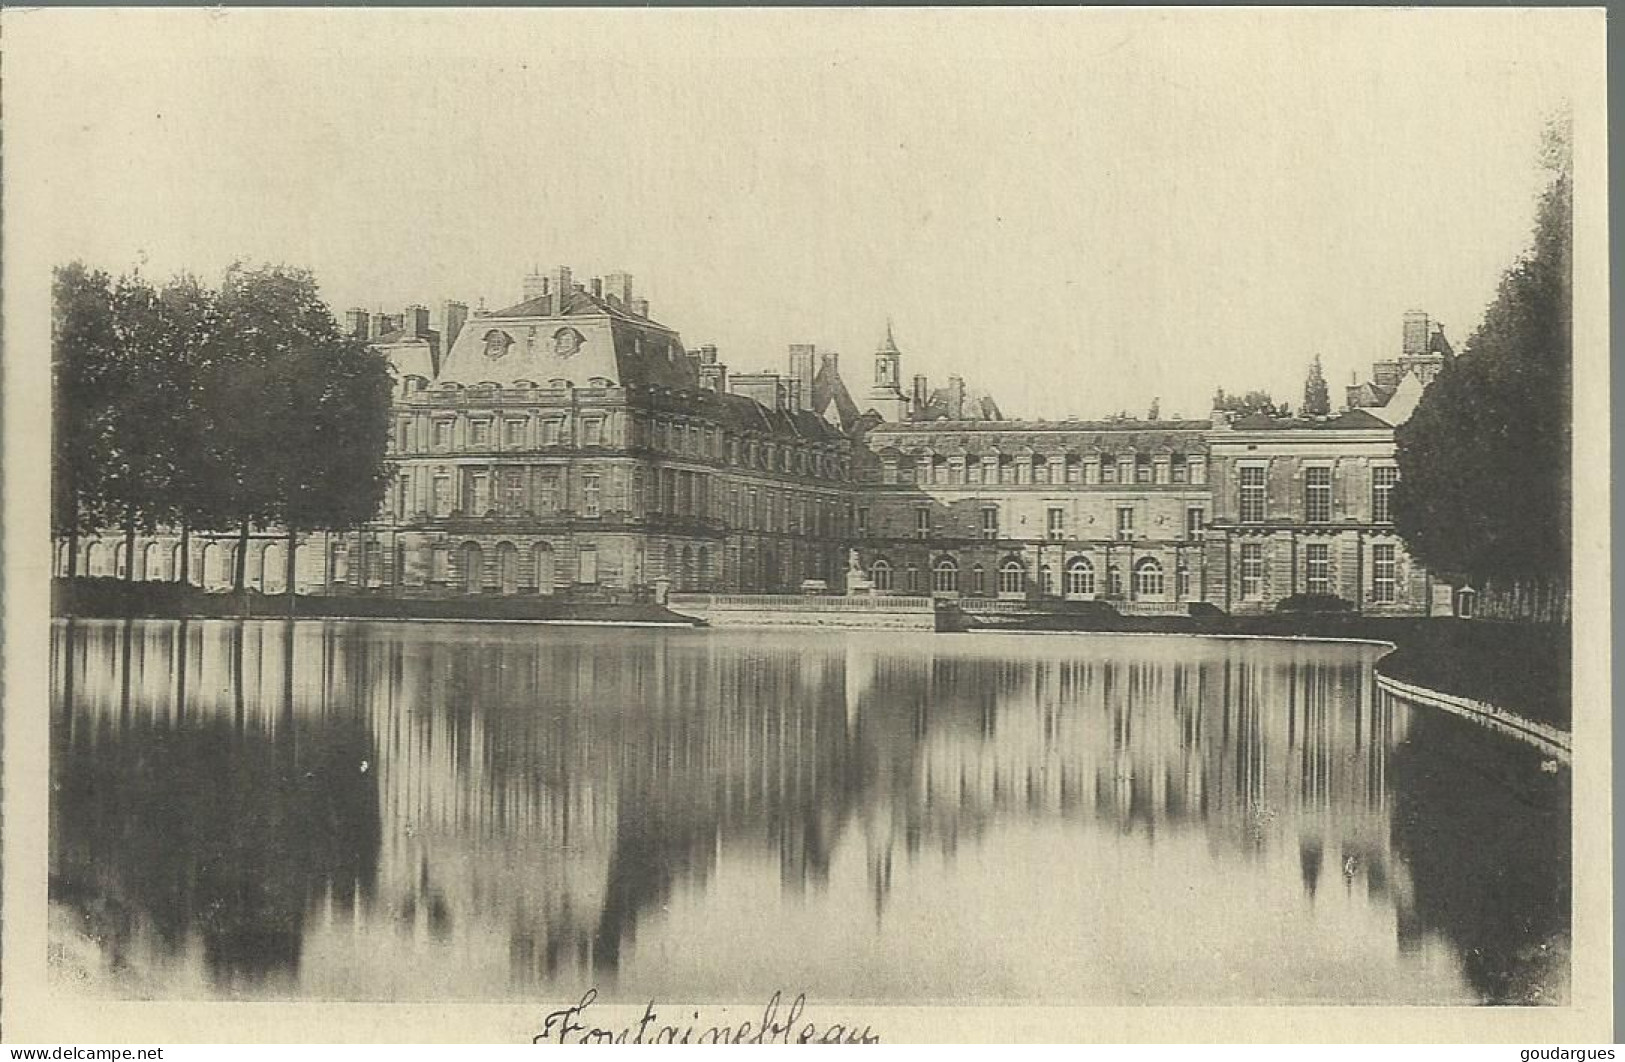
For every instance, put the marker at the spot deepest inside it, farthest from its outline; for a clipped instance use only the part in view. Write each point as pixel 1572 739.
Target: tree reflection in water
pixel 349 810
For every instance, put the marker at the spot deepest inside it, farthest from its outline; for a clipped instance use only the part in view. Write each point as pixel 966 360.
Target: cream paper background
pixel 31 38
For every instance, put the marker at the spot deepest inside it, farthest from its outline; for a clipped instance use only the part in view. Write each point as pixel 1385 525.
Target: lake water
pixel 390 811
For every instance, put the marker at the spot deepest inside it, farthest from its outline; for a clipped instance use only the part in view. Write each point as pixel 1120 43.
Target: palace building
pixel 570 443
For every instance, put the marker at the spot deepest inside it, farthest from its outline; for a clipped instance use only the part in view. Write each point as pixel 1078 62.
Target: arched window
pixel 945 578
pixel 1012 576
pixel 473 568
pixel 911 579
pixel 1114 581
pixel 880 575
pixel 1147 578
pixel 1046 580
pixel 1080 577
pixel 541 567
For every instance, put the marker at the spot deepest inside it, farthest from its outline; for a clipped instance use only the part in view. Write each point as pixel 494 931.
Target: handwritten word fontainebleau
pixel 572 1026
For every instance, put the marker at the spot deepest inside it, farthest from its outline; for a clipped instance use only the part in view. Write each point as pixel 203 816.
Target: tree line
pixel 1485 461
pixel 199 409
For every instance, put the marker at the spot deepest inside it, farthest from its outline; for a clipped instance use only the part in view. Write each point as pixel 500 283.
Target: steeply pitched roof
pixel 828 390
pixel 575 304
pixel 889 344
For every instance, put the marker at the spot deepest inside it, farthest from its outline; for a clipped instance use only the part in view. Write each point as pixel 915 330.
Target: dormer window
pixel 567 342
pixel 497 343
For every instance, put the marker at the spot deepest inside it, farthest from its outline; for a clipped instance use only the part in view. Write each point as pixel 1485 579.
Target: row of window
pixel 1317 559
pixel 1012 576
pixel 1040 469
pixel 1148 578
pixel 519 491
pixel 1317 494
pixel 512 433
pixel 1055 528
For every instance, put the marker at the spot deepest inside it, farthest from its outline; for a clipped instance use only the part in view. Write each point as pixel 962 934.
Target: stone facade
pixel 1035 510
pixel 1302 507
pixel 571 444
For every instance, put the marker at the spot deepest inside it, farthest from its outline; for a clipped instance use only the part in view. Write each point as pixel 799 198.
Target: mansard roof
pixel 412 354
pixel 523 342
pixel 740 413
pixel 575 304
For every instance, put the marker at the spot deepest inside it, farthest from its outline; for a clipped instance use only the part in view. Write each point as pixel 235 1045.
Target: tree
pixel 1317 400
pixel 1484 462
pixel 337 468
pixel 309 411
pixel 1248 404
pixel 83 342
pixel 191 320
pixel 212 410
pixel 150 415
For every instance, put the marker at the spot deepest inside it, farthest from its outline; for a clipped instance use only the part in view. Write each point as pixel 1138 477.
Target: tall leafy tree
pixel 1485 461
pixel 149 416
pixel 84 340
pixel 337 471
pixel 188 310
pixel 308 409
pixel 1317 399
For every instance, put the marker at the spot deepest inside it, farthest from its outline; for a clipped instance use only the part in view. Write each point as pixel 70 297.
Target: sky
pixel 1077 211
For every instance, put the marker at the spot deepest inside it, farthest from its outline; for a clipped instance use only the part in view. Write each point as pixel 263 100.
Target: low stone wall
pixel 1549 739
pixel 785 610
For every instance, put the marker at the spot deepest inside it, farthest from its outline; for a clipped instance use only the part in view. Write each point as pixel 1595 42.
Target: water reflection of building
pixel 519 809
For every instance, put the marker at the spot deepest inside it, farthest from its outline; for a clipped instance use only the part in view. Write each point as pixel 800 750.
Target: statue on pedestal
pixel 858 582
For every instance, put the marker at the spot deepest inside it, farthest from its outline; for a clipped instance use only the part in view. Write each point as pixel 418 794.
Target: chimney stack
pixel 562 286
pixel 535 285
pixel 415 321
pixel 802 357
pixel 830 360
pixel 381 325
pixel 922 393
pixel 453 315
pixel 1416 330
pixel 640 307
pixel 618 289
pixel 956 397
pixel 356 321
pixel 597 287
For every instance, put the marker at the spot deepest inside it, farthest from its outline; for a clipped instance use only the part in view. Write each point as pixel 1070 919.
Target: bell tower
pixel 886 396
pixel 888 362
